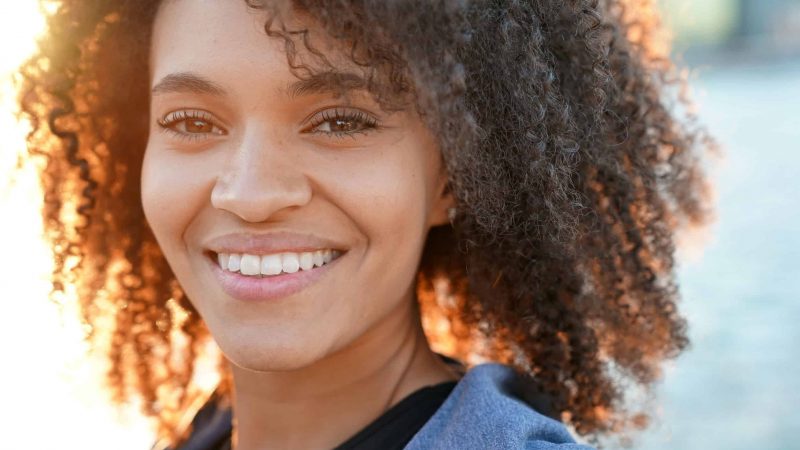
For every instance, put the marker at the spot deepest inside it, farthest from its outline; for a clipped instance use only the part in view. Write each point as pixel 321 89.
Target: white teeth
pixel 255 265
pixel 234 262
pixel 250 265
pixel 290 262
pixel 271 265
pixel 306 260
pixel 318 259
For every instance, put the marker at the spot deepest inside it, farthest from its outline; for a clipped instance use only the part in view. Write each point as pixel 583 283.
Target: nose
pixel 259 179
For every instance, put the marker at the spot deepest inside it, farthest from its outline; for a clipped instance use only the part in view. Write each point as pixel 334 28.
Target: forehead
pixel 225 41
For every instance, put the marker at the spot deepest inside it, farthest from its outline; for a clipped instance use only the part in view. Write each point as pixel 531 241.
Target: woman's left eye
pixel 191 123
pixel 340 122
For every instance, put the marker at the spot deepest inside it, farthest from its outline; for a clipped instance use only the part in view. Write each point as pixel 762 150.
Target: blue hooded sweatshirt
pixel 490 408
pixel 486 410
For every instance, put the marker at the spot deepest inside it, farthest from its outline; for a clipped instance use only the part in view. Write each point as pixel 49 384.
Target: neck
pixel 321 405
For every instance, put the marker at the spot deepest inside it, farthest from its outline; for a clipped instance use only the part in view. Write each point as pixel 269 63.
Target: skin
pixel 313 368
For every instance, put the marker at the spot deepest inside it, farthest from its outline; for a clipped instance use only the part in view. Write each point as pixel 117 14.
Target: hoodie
pixel 492 408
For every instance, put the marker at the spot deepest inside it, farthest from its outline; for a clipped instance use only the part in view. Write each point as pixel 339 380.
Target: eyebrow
pixel 329 82
pixel 187 82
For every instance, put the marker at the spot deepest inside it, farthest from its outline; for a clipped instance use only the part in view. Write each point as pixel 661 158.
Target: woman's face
pixel 237 148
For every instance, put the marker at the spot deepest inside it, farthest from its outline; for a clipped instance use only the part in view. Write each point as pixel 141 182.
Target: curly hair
pixel 571 169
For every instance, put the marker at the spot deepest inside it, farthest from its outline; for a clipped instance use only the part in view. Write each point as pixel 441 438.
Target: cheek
pixel 386 198
pixel 172 191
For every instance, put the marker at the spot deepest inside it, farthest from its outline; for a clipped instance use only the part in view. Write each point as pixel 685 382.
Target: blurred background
pixel 737 387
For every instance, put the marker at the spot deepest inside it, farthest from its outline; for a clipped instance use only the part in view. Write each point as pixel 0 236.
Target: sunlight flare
pixel 53 382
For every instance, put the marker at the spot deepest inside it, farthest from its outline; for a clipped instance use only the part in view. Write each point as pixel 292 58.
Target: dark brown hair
pixel 558 123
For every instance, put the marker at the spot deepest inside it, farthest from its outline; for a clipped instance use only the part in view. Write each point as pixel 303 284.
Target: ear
pixel 443 201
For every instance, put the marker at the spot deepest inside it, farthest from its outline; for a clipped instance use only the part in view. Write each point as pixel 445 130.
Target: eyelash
pixel 176 117
pixel 368 123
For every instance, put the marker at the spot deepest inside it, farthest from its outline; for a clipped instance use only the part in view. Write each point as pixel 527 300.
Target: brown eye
pixel 198 126
pixel 340 123
pixel 195 124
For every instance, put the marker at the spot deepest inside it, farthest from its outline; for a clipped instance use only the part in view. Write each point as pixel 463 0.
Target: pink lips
pixel 273 287
pixel 274 242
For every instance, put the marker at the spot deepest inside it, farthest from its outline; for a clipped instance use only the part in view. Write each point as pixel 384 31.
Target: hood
pixel 492 407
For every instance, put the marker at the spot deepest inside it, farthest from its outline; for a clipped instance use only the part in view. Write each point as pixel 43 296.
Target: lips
pixel 268 288
pixel 268 243
pixel 274 287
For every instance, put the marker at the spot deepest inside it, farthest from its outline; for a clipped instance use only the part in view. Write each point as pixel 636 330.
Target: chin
pixel 276 357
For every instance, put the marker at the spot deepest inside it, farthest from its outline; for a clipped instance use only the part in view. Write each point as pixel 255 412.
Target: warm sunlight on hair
pixel 49 382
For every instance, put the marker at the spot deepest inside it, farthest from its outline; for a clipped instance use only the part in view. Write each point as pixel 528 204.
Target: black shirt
pixel 391 430
pixel 395 428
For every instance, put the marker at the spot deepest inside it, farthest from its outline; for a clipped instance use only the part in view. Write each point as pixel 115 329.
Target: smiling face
pixel 238 146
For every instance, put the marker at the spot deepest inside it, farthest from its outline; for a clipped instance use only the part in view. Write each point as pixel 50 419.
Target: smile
pixel 250 277
pixel 275 264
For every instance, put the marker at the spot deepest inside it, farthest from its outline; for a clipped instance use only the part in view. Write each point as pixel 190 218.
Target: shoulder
pixel 492 407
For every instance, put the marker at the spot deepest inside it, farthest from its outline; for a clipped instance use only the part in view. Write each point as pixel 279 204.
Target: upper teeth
pixel 248 264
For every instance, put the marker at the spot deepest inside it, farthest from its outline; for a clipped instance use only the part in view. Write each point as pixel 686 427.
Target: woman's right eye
pixel 191 124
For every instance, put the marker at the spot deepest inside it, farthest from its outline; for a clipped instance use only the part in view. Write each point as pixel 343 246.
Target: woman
pixel 341 193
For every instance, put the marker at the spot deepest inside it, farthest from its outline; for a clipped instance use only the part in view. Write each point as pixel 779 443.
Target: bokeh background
pixel 737 387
